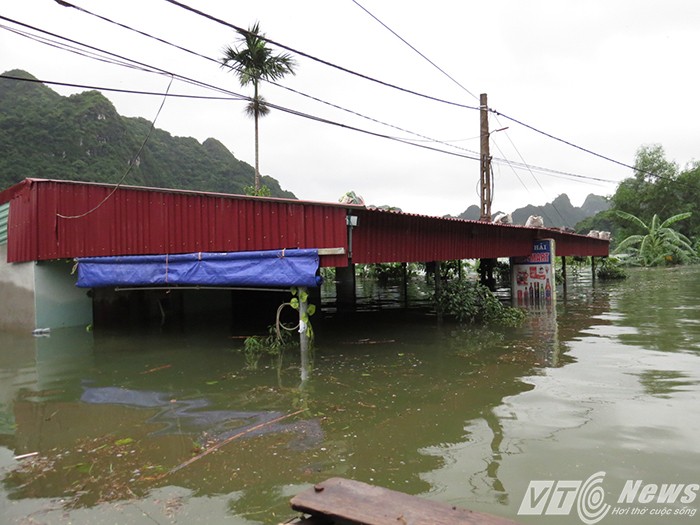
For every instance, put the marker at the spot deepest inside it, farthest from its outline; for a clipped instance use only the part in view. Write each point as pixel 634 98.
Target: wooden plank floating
pixel 348 502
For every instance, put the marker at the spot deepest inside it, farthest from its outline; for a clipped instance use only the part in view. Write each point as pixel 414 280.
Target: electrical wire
pixel 413 48
pixel 120 90
pixel 272 105
pixel 166 42
pixel 319 60
pixel 148 68
pixel 131 163
pixel 581 148
pixel 239 29
pixel 545 171
pixel 450 77
pixel 143 33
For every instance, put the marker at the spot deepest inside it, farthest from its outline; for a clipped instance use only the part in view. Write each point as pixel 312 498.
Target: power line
pixel 568 143
pixel 316 99
pixel 234 96
pixel 546 171
pixel 405 90
pixel 470 93
pixel 549 171
pixel 413 48
pixel 131 163
pixel 372 119
pixel 319 60
pixel 386 84
pixel 120 90
pixel 441 70
pixel 272 105
pixel 201 84
pixel 306 55
pixel 148 68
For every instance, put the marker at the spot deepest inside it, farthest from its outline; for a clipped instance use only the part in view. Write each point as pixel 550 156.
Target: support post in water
pixel 438 291
pixel 563 271
pixel 303 333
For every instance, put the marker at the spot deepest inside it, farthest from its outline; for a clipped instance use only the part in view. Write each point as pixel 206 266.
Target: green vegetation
pixel 659 244
pixel 385 272
pixel 253 62
pixel 659 188
pixel 279 336
pixel 610 269
pixel 273 345
pixel 83 138
pixel 471 302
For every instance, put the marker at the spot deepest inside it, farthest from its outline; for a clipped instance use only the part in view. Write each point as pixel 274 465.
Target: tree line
pixel 653 213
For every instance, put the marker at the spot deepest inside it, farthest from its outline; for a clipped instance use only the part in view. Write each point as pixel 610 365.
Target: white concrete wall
pixel 59 303
pixel 40 295
pixel 17 308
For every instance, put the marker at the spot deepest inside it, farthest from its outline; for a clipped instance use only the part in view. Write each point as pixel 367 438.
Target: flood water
pixel 603 391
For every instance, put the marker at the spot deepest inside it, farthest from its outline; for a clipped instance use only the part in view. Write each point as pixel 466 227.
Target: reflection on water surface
pixel 609 382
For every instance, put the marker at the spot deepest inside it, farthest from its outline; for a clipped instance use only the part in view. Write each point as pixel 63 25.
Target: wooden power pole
pixel 485 161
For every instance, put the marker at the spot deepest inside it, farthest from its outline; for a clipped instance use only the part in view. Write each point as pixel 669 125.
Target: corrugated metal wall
pixel 53 220
pixel 393 237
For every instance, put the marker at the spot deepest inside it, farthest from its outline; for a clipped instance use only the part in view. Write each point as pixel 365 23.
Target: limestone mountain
pixel 82 137
pixel 559 212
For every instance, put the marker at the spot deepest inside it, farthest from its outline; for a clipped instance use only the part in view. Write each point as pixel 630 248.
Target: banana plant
pixel 660 244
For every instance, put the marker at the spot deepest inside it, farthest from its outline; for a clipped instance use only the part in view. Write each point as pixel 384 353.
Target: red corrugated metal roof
pixel 62 219
pixel 385 236
pixel 57 219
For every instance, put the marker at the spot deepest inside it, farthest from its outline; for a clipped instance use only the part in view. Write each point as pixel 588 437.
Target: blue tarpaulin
pixel 277 268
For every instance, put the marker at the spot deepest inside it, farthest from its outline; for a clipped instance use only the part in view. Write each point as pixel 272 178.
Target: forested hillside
pixel 82 137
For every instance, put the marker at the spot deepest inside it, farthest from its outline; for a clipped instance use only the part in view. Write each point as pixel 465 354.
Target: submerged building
pixel 49 228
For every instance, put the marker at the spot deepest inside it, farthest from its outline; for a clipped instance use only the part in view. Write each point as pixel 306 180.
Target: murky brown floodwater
pixel 467 417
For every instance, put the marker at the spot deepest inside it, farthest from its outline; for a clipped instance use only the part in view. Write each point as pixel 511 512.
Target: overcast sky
pixel 606 75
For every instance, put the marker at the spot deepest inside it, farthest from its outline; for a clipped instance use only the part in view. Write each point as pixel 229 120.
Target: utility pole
pixel 486 266
pixel 485 161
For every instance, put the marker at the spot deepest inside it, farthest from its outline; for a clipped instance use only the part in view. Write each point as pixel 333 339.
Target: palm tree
pixel 252 62
pixel 660 244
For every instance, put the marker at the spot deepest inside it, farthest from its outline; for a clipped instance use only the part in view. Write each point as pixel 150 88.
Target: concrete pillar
pixel 303 338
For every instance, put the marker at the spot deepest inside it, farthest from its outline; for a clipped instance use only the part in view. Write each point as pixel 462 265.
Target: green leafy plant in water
pixel 385 272
pixel 471 302
pixel 610 269
pixel 257 346
pixel 279 337
pixel 659 244
pixel 302 296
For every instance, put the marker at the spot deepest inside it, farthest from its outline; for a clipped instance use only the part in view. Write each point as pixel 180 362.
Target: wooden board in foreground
pixel 349 501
